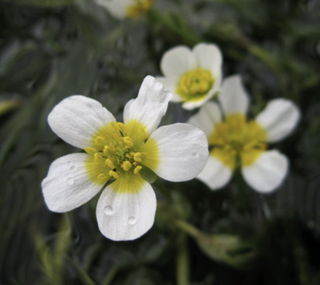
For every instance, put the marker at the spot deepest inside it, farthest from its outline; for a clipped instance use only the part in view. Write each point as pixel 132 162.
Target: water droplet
pixel 70 181
pixel 73 168
pixel 195 154
pixel 70 162
pixel 108 210
pixel 132 221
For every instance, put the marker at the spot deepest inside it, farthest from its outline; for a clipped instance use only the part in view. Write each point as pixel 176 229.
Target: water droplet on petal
pixel 70 181
pixel 73 168
pixel 195 154
pixel 108 210
pixel 70 162
pixel 132 221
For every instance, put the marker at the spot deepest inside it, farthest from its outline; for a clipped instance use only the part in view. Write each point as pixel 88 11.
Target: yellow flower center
pixel 138 9
pixel 194 85
pixel 120 151
pixel 236 141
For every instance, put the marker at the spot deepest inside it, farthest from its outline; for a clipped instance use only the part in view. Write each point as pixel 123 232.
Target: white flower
pixel 126 8
pixel 234 141
pixel 193 76
pixel 118 152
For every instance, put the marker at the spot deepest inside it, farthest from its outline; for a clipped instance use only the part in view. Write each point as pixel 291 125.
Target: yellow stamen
pixel 126 165
pixel 120 150
pixel 122 128
pixel 90 150
pixel 98 158
pixel 236 140
pixel 100 141
pixel 137 157
pixel 103 176
pixel 106 150
pixel 195 84
pixel 128 141
pixel 113 174
pixel 137 169
pixel 116 136
pixel 110 164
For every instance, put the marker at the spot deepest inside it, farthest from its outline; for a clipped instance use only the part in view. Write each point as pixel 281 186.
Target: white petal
pixel 233 97
pixel 208 57
pixel 116 8
pixel 126 216
pixel 150 105
pixel 208 115
pixel 77 118
pixel 170 86
pixel 215 174
pixel 177 61
pixel 268 172
pixel 183 151
pixel 279 118
pixel 67 185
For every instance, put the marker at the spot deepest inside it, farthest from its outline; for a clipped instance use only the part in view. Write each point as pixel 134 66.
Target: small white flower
pixel 193 76
pixel 118 152
pixel 126 8
pixel 234 141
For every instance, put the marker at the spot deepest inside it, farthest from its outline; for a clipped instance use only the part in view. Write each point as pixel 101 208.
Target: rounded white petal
pixel 208 115
pixel 126 216
pixel 150 105
pixel 177 61
pixel 183 151
pixel 279 118
pixel 268 172
pixel 215 174
pixel 77 118
pixel 208 56
pixel 67 185
pixel 233 97
pixel 116 8
pixel 170 86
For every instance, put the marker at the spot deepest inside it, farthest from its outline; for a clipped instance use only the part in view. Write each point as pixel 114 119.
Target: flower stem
pixel 182 260
pixel 187 228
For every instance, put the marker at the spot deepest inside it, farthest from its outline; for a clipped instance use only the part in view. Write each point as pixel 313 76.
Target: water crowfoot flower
pixel 193 76
pixel 234 141
pixel 118 153
pixel 126 8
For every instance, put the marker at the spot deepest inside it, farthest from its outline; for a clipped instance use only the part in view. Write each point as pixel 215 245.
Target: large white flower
pixel 126 8
pixel 117 152
pixel 234 141
pixel 193 76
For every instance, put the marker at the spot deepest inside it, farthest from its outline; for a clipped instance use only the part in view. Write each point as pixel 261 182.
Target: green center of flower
pixel 120 151
pixel 236 141
pixel 194 85
pixel 138 9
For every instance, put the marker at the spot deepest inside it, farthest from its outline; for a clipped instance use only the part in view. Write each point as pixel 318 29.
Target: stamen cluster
pixel 195 84
pixel 117 152
pixel 236 139
pixel 138 9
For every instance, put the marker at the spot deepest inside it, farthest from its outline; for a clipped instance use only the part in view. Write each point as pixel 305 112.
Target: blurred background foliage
pixel 51 49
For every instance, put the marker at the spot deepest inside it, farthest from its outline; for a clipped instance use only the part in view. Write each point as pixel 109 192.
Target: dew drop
pixel 195 154
pixel 108 210
pixel 70 181
pixel 132 221
pixel 73 168
pixel 70 162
